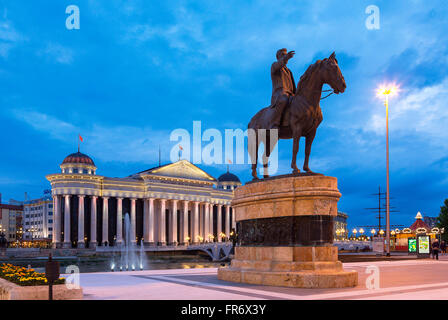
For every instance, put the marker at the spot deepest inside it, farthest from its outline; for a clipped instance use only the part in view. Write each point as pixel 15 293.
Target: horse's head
pixel 332 75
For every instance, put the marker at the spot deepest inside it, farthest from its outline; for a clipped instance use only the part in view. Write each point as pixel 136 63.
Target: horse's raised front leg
pixel 308 142
pixel 295 149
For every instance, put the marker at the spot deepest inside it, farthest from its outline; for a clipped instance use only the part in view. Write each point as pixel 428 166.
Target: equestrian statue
pixel 294 111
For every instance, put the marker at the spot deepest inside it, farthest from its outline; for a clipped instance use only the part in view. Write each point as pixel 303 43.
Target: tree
pixel 442 219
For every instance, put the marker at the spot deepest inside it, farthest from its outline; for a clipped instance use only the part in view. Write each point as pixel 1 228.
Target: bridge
pixel 217 251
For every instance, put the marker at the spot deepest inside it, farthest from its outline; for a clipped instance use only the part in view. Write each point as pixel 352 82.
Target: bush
pixel 23 276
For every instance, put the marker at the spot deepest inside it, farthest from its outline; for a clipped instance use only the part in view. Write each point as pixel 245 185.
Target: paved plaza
pixel 424 279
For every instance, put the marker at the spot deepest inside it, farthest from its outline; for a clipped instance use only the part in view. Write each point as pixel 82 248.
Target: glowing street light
pixel 361 232
pixel 386 91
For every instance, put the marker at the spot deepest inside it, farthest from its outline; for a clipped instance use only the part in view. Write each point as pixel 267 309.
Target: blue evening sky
pixel 136 70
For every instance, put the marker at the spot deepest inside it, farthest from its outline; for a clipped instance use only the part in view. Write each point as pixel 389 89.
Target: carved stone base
pixel 296 279
pixel 301 267
pixel 285 234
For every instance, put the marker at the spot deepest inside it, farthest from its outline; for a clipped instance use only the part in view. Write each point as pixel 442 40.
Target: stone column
pixel 227 227
pixel 93 241
pixel 145 221
pixel 219 223
pixel 173 223
pixel 210 228
pixel 149 222
pixel 201 220
pixel 206 221
pixel 133 221
pixel 56 222
pixel 67 240
pixel 105 220
pixel 119 221
pixel 162 224
pixel 195 230
pixel 233 220
pixel 81 242
pixel 185 223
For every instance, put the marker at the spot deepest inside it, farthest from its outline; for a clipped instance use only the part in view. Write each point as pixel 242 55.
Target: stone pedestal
pixel 285 234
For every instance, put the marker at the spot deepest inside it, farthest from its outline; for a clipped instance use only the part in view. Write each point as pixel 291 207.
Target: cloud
pixel 57 53
pixel 115 143
pixel 9 37
pixel 423 111
pixel 183 34
pixel 54 127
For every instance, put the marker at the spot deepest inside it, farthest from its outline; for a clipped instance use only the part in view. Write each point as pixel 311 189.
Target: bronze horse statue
pixel 304 117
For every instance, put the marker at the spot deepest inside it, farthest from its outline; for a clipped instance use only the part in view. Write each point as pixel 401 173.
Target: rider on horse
pixel 283 85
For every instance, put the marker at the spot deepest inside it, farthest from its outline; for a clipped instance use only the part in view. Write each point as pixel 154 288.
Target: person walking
pixel 443 246
pixel 435 249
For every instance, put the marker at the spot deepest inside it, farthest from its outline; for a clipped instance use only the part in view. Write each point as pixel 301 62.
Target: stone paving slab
pixel 416 279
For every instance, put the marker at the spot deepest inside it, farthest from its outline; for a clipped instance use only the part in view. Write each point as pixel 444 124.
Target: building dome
pixel 78 158
pixel 228 181
pixel 78 163
pixel 229 177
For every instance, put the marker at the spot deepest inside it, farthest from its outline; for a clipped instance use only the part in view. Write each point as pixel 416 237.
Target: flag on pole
pixel 230 162
pixel 180 149
pixel 80 140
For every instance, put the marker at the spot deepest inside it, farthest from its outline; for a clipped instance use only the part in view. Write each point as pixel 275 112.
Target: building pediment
pixel 181 170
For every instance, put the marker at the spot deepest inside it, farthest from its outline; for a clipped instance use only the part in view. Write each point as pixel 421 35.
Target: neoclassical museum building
pixel 173 204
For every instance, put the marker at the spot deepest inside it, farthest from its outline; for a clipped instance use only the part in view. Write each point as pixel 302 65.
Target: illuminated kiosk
pixel 285 234
pixel 406 239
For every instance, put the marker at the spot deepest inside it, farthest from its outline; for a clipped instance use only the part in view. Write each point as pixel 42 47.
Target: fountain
pixel 129 256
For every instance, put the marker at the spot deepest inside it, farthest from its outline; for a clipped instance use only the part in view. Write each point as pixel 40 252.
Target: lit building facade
pixel 340 226
pixel 38 218
pixel 172 204
pixel 10 217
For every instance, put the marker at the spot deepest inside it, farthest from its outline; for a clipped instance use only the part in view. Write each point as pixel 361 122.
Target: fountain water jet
pixel 129 258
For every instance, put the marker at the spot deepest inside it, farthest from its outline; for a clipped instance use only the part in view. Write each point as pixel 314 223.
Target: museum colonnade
pixel 87 221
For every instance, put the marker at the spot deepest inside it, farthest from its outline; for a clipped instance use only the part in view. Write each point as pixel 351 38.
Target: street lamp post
pixel 386 92
pixel 387 179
